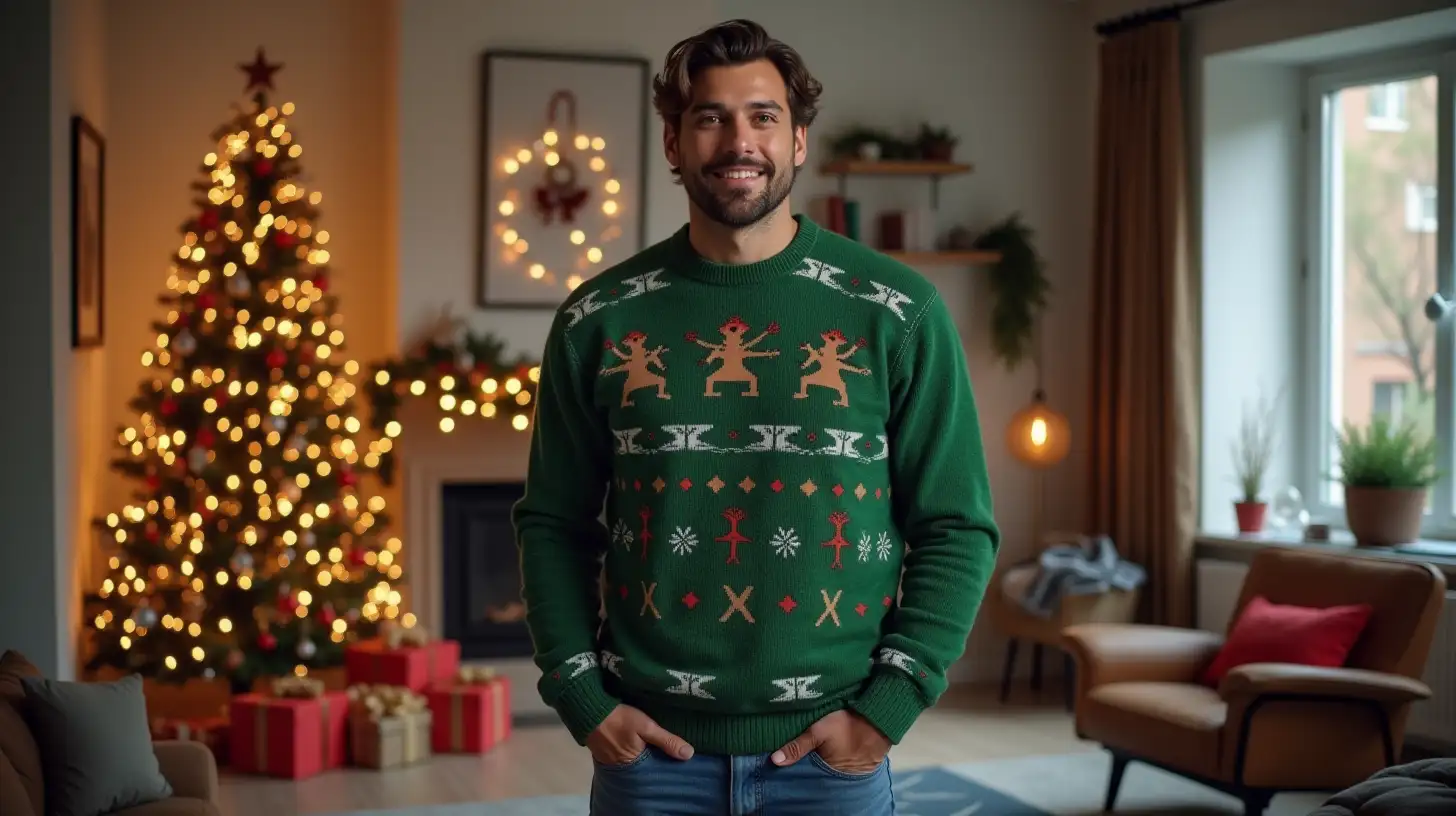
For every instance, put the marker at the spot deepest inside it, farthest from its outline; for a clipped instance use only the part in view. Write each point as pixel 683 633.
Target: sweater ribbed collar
pixel 687 262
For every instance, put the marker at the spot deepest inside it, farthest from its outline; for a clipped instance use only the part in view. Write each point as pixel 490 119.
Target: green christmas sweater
pixel 756 494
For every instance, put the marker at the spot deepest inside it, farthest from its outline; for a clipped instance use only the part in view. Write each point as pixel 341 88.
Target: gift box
pixel 410 659
pixel 472 712
pixel 296 732
pixel 389 726
pixel 210 731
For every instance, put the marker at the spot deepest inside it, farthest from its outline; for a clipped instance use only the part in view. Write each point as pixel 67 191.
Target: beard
pixel 738 208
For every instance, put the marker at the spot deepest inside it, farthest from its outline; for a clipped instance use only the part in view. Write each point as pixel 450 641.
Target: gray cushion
pixel 95 745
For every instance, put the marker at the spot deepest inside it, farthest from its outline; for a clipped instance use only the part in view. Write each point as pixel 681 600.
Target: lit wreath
pixel 558 198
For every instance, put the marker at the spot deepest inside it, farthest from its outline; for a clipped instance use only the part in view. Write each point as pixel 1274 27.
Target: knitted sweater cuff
pixel 891 702
pixel 583 705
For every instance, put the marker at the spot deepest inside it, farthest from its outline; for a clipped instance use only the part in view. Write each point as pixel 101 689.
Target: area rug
pixel 1059 785
pixel 918 792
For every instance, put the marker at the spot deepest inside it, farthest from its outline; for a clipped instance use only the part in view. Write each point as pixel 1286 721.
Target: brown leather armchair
pixel 1268 727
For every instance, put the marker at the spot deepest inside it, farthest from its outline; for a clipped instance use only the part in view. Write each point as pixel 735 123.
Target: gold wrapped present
pixel 389 726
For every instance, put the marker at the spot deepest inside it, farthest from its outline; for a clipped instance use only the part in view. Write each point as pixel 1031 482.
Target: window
pixel 1420 207
pixel 1380 246
pixel 1385 106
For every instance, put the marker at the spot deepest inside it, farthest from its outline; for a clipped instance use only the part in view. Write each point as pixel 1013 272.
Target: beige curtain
pixel 1144 344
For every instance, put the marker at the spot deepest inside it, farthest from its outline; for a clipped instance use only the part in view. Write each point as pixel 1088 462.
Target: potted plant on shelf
pixel 1386 472
pixel 1252 451
pixel 936 144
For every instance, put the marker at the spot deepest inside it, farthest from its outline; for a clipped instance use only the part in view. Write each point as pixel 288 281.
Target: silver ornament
pixel 145 617
pixel 239 286
pixel 242 562
pixel 308 538
pixel 209 673
pixel 197 459
pixel 184 343
pixel 306 649
pixel 280 424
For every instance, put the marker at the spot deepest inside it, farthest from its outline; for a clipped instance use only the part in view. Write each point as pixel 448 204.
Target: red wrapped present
pixel 471 713
pixel 296 732
pixel 210 731
pixel 410 662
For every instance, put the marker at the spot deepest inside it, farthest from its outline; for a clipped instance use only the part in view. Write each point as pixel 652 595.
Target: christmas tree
pixel 250 548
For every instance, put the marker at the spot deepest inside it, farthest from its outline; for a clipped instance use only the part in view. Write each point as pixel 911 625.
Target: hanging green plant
pixel 1019 286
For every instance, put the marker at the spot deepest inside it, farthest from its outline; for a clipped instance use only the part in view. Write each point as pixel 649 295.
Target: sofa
pixel 188 767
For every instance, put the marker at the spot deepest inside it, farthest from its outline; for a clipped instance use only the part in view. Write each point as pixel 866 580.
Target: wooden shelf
pixel 893 167
pixel 946 257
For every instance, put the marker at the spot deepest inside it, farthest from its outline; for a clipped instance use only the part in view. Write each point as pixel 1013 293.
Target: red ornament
pixel 347 477
pixel 267 642
pixel 277 358
pixel 284 239
pixel 357 556
pixel 206 300
pixel 153 481
pixel 263 167
pixel 321 282
pixel 205 437
pixel 327 616
pixel 287 603
pixel 208 219
pixel 169 407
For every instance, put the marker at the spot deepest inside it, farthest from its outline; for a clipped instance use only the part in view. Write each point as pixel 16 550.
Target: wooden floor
pixel 967 725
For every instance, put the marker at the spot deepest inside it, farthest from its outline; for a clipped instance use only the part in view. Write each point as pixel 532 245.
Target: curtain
pixel 1143 416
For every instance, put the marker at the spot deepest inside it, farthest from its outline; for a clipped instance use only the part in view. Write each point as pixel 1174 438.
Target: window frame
pixel 1317 458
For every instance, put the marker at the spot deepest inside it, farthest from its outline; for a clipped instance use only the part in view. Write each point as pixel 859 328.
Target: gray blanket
pixel 1089 568
pixel 1414 789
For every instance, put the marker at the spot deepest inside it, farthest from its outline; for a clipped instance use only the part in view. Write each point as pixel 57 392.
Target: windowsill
pixel 1241 547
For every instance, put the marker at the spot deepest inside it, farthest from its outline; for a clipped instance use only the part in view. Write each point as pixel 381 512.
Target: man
pixel 777 421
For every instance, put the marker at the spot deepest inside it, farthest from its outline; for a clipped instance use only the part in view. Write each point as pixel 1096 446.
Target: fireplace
pixel 480 576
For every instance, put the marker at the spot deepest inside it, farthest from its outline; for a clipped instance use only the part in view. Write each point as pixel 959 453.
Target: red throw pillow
pixel 1278 633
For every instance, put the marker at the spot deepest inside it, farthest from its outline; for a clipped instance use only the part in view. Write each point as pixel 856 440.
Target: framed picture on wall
pixel 88 266
pixel 563 145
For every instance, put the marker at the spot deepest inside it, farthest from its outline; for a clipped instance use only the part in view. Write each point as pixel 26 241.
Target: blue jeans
pixel 655 784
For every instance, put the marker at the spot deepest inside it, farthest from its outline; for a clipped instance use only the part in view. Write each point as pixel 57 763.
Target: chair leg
pixel 1114 781
pixel 1069 678
pixel 1255 803
pixel 1036 667
pixel 1006 672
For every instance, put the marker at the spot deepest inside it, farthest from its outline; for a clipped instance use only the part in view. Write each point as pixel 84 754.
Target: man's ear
pixel 670 145
pixel 801 145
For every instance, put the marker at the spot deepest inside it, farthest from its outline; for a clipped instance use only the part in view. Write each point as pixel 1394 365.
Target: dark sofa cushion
pixel 1421 787
pixel 95 745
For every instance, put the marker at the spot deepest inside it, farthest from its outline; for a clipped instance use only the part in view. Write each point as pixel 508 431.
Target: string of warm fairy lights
pixel 253 548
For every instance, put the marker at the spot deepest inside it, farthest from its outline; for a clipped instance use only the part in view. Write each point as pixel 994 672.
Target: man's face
pixel 735 147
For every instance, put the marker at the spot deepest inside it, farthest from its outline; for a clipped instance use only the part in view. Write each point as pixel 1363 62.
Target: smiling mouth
pixel 738 173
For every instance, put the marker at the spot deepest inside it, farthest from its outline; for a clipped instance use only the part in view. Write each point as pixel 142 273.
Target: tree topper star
pixel 260 71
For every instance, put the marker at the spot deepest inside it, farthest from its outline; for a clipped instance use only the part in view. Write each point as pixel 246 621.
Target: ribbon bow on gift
pixel 298 687
pixel 375 702
pixel 475 675
pixel 398 636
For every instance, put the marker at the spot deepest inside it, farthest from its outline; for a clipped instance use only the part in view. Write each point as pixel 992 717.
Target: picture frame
pixel 88 234
pixel 545 228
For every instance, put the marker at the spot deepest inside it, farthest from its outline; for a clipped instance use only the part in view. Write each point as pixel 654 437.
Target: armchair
pixel 1268 727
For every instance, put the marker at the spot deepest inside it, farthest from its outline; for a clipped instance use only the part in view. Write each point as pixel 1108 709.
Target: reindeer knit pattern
pixel 772 443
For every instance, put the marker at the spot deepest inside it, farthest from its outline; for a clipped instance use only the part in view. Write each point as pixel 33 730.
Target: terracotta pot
pixel 1250 516
pixel 1384 517
pixel 938 151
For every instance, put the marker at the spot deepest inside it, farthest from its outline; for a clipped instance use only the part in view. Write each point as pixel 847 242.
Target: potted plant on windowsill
pixel 1252 452
pixel 1386 472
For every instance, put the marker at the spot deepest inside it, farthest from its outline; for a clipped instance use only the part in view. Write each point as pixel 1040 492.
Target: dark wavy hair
pixel 735 42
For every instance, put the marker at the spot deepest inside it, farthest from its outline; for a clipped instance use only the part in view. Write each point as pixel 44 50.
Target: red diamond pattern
pixel 623 591
pixel 788 604
pixel 685 483
pixel 861 608
pixel 877 492
pixel 887 600
pixel 690 600
pixel 838 491
pixel 777 485
pixel 637 485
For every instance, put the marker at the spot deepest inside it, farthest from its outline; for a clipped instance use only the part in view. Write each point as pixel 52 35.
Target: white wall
pixel 50 389
pixel 1252 242
pixel 1010 78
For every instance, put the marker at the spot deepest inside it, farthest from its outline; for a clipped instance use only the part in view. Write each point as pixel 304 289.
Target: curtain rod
pixel 1117 25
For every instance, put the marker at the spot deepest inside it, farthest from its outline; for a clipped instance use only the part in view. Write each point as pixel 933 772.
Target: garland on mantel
pixel 465 374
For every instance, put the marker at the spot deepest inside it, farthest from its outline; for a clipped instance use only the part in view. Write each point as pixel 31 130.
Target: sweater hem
pixel 736 734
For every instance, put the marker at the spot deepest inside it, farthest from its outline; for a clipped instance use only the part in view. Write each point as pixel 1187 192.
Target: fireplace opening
pixel 482 580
